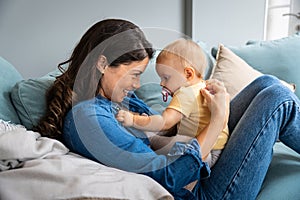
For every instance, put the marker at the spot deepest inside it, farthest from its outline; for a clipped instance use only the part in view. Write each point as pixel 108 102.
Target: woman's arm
pixel 218 103
pixel 167 120
pixel 93 132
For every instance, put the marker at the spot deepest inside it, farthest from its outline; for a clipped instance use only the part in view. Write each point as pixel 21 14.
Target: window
pixel 281 18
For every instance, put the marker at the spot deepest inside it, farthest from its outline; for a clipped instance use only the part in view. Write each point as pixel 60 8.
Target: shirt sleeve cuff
pixel 191 148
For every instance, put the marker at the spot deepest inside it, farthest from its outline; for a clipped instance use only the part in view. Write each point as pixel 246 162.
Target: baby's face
pixel 171 74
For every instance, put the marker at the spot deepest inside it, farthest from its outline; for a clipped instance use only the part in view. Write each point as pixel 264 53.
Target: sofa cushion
pixel 282 180
pixel 9 77
pixel 277 57
pixel 28 97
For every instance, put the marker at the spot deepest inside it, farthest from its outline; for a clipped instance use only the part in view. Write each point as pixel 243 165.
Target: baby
pixel 180 66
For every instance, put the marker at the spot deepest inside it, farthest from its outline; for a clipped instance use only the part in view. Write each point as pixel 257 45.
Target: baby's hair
pixel 189 54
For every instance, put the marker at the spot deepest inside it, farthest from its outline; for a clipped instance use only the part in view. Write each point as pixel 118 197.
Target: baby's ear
pixel 102 63
pixel 189 72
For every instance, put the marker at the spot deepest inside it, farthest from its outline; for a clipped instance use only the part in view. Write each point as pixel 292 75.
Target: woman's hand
pixel 125 117
pixel 217 100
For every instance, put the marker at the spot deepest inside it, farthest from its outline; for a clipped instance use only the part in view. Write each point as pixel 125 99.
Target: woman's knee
pixel 266 80
pixel 258 85
pixel 276 91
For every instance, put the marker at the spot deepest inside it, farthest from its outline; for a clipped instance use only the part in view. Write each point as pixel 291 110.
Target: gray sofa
pixel 22 102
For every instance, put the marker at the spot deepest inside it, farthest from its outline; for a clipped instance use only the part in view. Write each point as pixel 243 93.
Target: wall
pixel 37 35
pixel 231 22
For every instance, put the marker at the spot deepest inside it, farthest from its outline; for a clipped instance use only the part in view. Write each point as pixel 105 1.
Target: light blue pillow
pixel 28 97
pixel 9 77
pixel 279 57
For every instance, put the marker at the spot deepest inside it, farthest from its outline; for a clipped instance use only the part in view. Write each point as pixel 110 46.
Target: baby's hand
pixel 125 117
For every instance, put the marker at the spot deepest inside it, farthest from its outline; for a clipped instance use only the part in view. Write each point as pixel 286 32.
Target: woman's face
pixel 116 82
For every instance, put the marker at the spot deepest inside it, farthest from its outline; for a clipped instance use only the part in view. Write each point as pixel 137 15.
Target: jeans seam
pixel 298 109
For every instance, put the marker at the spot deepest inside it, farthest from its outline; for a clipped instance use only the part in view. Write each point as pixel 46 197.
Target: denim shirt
pixel 91 130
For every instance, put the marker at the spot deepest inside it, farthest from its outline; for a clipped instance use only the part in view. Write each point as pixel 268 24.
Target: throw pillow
pixel 28 97
pixel 277 57
pixel 9 77
pixel 234 71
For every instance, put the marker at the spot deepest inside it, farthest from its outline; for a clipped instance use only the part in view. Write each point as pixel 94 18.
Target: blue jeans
pixel 262 113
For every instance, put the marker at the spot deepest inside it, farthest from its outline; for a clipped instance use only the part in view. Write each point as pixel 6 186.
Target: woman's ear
pixel 102 63
pixel 189 72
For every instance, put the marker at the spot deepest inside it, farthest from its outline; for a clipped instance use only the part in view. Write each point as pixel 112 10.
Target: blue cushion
pixel 279 57
pixel 9 77
pixel 282 180
pixel 28 97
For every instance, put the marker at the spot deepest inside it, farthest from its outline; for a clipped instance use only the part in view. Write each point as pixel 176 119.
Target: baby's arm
pixel 167 120
pixel 125 117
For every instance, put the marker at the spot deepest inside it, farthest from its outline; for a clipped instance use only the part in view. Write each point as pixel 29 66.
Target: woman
pixel 103 71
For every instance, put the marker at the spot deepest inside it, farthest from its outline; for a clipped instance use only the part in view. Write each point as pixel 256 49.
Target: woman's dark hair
pixel 120 41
